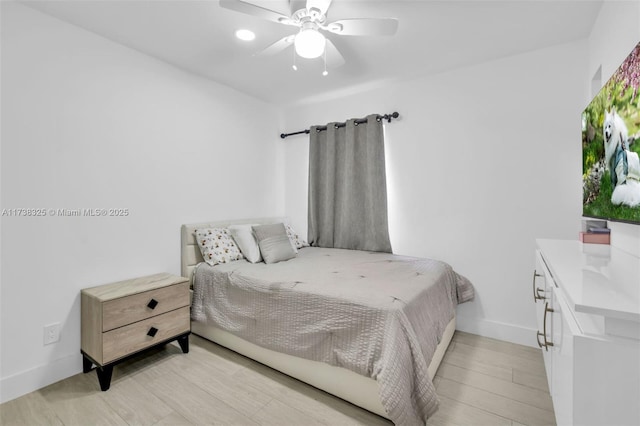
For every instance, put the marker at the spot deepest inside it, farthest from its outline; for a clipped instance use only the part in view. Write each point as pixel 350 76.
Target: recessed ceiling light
pixel 245 35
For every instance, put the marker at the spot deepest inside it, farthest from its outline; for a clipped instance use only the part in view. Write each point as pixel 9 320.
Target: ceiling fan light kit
pixel 310 43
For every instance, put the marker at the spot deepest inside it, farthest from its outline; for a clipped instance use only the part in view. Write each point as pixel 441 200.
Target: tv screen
pixel 611 147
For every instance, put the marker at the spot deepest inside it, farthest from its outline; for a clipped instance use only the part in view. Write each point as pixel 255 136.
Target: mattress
pixel 376 314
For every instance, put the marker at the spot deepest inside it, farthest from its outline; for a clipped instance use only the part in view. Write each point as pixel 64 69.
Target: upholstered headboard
pixel 190 254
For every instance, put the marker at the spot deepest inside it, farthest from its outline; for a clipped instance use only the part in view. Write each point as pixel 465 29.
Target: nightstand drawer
pixel 132 338
pixel 137 307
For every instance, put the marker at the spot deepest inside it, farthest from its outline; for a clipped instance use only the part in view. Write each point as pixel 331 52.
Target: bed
pixel 316 276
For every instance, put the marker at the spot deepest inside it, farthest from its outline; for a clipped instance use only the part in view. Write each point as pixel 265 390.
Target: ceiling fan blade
pixel 257 11
pixel 364 27
pixel 321 5
pixel 278 46
pixel 334 57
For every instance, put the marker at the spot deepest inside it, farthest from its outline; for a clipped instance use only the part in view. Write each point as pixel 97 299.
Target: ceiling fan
pixel 310 17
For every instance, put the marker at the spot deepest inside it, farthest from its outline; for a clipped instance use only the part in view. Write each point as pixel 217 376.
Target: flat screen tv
pixel 611 147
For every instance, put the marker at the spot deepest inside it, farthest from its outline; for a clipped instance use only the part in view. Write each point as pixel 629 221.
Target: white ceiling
pixel 433 36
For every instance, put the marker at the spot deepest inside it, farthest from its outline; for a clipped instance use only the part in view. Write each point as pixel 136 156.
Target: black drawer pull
pixel 152 332
pixel 152 304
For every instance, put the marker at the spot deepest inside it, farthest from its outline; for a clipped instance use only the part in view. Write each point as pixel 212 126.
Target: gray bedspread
pixel 377 314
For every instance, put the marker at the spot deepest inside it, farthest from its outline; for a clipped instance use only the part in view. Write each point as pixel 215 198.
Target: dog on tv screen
pixel 611 146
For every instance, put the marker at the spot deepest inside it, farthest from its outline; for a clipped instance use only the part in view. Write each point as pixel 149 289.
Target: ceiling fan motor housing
pixel 305 15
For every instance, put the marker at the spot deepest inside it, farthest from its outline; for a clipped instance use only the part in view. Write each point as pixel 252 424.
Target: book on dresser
pixel 588 315
pixel 127 317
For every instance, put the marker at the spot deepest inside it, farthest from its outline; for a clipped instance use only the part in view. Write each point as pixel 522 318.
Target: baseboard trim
pixel 22 383
pixel 38 377
pixel 498 330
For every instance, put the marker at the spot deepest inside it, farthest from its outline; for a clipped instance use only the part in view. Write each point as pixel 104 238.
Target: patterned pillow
pixel 217 246
pixel 296 240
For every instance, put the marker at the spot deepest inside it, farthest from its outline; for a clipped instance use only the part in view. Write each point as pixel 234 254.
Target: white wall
pixel 482 161
pixel 87 123
pixel 614 35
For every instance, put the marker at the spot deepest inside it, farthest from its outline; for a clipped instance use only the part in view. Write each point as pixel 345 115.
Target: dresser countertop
pixel 596 278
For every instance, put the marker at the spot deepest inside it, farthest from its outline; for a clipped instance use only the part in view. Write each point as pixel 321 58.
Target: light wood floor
pixel 480 382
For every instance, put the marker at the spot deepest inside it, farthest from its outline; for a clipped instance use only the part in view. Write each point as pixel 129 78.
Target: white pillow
pixel 246 240
pixel 217 246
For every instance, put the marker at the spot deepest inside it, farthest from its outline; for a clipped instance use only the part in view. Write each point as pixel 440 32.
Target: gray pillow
pixel 274 243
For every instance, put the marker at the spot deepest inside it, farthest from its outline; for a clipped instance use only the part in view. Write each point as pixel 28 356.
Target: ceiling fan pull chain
pixel 325 72
pixel 295 67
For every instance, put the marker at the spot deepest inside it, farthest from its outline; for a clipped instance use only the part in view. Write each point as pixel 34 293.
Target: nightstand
pixel 124 318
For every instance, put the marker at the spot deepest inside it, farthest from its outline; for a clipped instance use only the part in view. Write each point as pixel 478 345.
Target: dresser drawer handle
pixel 152 304
pixel 152 332
pixel 536 295
pixel 545 343
pixel 547 309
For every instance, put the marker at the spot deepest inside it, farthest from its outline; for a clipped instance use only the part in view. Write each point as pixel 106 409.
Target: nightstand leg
pixel 86 364
pixel 104 376
pixel 184 343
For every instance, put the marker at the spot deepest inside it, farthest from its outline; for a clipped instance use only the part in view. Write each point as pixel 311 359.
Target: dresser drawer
pixel 132 338
pixel 126 310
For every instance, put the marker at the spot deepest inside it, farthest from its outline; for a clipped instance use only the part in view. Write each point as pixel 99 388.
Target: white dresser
pixel 588 308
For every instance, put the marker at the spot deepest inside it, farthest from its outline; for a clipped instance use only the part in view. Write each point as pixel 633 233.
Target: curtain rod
pixel 387 117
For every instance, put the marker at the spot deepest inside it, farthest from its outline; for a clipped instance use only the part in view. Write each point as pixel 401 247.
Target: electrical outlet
pixel 51 333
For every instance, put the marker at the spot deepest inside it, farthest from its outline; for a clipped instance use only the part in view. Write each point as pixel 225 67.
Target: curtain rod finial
pixel 282 135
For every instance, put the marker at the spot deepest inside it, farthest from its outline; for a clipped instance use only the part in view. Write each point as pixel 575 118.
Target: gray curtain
pixel 348 187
